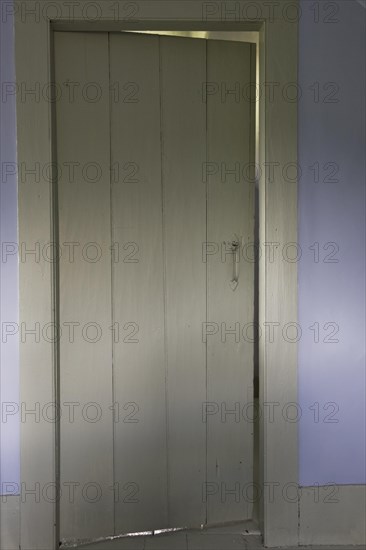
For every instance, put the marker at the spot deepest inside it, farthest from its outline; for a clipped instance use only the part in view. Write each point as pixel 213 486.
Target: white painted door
pixel 154 155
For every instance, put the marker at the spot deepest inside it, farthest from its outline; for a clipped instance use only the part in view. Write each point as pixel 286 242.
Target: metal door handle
pixel 235 250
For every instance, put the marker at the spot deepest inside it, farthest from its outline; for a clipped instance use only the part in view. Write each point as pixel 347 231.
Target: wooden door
pixel 159 135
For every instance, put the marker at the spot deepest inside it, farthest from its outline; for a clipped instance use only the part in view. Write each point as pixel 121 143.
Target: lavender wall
pixel 333 212
pixel 328 212
pixel 9 373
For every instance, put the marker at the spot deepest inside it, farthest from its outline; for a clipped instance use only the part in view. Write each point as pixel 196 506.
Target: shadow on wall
pixel 332 239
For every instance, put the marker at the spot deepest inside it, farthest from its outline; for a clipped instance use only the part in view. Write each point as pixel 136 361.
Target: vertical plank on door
pixel 183 69
pixel 82 119
pixel 138 301
pixel 230 216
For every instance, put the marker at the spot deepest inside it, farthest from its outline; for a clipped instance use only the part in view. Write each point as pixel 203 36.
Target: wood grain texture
pixel 156 210
pixel 231 312
pixel 140 455
pixel 278 281
pixel 37 447
pixel 85 287
pixel 183 67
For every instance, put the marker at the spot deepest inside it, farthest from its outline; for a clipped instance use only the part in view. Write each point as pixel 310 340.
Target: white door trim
pixel 278 224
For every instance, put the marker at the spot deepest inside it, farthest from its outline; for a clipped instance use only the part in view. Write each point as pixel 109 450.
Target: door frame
pixel 35 23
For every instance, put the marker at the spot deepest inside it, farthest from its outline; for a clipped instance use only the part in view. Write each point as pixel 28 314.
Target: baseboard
pixel 328 516
pixel 333 515
pixel 9 523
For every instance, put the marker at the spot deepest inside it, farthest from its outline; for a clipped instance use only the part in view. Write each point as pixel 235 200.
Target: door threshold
pixel 247 527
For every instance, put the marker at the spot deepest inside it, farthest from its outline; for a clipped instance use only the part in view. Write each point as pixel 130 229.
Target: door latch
pixel 235 250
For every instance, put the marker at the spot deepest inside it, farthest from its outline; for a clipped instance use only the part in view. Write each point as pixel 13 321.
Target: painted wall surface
pixel 332 449
pixel 331 51
pixel 9 362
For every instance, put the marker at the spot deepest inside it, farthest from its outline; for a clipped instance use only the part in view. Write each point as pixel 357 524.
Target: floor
pixel 219 538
